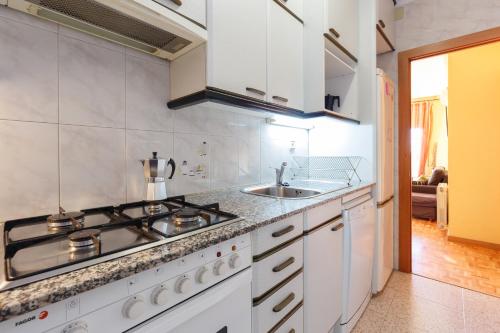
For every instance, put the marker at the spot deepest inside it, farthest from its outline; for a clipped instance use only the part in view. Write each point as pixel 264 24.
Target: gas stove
pixel 41 247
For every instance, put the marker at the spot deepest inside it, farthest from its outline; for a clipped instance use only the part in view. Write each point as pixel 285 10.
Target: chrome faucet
pixel 279 174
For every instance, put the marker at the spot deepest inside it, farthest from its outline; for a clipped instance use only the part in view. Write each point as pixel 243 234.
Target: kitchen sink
pixel 286 192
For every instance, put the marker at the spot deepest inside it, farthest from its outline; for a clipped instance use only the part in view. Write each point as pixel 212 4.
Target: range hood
pixel 145 25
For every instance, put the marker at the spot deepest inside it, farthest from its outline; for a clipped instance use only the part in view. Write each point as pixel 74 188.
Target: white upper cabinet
pixel 195 10
pixel 385 26
pixel 342 23
pixel 285 58
pixel 236 50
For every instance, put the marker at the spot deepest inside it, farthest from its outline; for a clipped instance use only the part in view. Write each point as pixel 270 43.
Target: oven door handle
pixel 201 303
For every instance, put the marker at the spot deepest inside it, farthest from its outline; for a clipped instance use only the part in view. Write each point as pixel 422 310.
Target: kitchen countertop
pixel 257 211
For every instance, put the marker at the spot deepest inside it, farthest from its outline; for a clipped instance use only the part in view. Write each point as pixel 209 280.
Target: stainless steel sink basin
pixel 286 192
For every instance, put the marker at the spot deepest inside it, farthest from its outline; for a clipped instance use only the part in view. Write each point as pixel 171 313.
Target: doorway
pixel 409 227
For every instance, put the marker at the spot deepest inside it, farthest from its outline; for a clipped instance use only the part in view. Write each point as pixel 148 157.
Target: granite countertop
pixel 257 211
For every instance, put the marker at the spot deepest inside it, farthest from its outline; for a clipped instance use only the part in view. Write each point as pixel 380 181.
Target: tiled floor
pixel 411 303
pixel 465 265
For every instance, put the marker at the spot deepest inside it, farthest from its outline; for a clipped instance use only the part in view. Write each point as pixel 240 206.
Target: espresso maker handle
pixel 172 163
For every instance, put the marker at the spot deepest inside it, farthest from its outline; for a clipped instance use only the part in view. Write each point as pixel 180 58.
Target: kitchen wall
pixel 77 114
pixel 423 22
pixel 474 188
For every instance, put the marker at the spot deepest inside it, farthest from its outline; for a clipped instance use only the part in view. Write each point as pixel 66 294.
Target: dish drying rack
pixel 327 167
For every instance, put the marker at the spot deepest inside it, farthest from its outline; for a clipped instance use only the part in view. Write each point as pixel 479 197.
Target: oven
pixel 223 308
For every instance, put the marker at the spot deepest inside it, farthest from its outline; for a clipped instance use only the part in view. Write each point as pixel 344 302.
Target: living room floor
pixel 411 303
pixel 469 266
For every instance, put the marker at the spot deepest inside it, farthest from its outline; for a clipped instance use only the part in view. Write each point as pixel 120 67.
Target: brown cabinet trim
pixel 384 36
pixel 288 10
pixel 342 48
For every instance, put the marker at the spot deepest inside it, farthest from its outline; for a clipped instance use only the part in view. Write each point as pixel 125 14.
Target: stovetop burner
pixel 43 246
pixel 64 220
pixel 84 240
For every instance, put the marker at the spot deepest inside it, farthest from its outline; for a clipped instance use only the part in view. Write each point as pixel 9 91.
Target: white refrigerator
pixel 384 242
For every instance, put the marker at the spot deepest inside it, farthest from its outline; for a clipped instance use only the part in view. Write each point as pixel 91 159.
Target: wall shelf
pixel 220 96
pixel 335 67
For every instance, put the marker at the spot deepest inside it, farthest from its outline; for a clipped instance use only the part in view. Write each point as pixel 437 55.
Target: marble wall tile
pixel 206 118
pixel 29 184
pixel 223 162
pixel 28 72
pixel 140 145
pixel 31 20
pixel 147 95
pixel 194 176
pixel 92 166
pixel 248 134
pixel 92 84
pixel 76 34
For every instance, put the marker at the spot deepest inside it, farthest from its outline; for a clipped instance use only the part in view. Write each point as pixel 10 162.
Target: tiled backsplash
pixel 78 113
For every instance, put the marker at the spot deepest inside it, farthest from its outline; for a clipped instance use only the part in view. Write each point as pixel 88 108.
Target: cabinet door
pixel 285 58
pixel 323 267
pixel 385 19
pixel 236 59
pixel 343 18
pixel 192 9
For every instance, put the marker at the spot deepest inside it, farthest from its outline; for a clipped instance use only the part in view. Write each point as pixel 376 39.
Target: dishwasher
pixel 359 247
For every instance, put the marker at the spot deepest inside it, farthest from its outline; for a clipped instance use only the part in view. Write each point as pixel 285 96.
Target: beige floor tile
pixel 482 312
pixel 382 301
pixel 370 322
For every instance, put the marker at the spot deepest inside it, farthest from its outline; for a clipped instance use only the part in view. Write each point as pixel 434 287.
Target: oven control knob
pixel 183 285
pixel 76 327
pixel 220 267
pixel 203 275
pixel 134 307
pixel 235 261
pixel 159 296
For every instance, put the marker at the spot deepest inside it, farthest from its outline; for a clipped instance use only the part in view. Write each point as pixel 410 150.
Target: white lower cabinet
pixel 270 310
pixel 271 270
pixel 323 266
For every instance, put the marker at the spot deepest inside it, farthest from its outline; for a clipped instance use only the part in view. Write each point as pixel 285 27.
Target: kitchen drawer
pixel 319 215
pixel 292 323
pixel 354 195
pixel 271 270
pixel 273 308
pixel 272 235
pixel 295 6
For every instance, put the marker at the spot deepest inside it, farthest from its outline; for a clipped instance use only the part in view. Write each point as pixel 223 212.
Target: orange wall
pixel 474 143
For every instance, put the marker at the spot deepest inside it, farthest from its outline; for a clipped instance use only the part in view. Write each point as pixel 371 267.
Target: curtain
pixel 421 117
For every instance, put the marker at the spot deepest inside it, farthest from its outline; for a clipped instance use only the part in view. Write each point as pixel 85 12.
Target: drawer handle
pixel 338 227
pixel 334 32
pixel 382 23
pixel 281 99
pixel 284 303
pixel 284 265
pixel 283 231
pixel 292 330
pixel 256 91
pixel 177 2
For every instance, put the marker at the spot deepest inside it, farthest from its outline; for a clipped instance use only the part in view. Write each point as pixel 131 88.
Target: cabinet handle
pixel 256 91
pixel 292 330
pixel 282 99
pixel 382 24
pixel 338 227
pixel 334 32
pixel 284 303
pixel 284 265
pixel 283 231
pixel 177 2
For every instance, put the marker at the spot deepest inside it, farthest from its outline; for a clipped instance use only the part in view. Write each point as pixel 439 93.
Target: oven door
pixel 223 308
